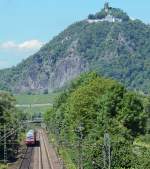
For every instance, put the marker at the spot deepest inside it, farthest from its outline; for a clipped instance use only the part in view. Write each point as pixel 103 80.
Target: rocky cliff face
pixel 41 72
pixel 65 70
pixel 120 50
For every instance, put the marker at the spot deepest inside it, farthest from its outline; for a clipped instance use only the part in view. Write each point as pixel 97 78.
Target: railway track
pixel 26 161
pixel 37 157
pixel 44 155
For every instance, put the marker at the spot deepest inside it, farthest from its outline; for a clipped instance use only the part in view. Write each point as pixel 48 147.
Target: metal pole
pixel 79 154
pixel 107 151
pixel 5 147
pixel 109 154
pixel 104 157
pixel 81 151
pixel 80 131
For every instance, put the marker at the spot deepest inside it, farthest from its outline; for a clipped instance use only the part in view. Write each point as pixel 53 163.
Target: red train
pixel 30 138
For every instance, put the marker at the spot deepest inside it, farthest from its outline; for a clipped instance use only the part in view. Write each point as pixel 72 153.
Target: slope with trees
pixel 119 50
pixel 91 107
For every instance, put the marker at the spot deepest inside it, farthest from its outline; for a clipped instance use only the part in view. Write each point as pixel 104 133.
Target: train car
pixel 30 138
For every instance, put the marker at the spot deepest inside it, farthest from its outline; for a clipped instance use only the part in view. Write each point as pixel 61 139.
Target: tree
pixel 8 118
pixel 97 105
pixel 91 16
pixel 132 114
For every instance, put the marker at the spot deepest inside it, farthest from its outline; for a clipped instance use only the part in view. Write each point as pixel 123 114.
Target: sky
pixel 26 25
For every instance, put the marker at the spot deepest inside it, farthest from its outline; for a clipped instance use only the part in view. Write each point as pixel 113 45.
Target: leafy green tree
pixel 8 118
pixel 88 108
pixel 133 115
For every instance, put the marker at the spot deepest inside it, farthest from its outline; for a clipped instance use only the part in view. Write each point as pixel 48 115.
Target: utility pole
pixel 80 133
pixel 80 152
pixel 107 152
pixel 5 146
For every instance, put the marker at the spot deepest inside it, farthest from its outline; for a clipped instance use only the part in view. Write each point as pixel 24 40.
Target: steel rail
pixel 26 161
pixel 40 155
pixel 47 153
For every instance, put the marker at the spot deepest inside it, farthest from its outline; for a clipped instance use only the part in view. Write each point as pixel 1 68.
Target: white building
pixel 108 17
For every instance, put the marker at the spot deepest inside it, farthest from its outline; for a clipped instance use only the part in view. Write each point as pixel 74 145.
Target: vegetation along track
pixel 25 164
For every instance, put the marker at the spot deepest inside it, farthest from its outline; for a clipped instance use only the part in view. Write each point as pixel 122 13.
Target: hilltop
pixel 108 42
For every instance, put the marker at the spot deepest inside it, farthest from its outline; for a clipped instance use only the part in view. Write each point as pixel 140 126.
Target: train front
pixel 30 138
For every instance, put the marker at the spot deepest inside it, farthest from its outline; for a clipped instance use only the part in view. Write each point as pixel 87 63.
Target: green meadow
pixel 35 99
pixel 34 103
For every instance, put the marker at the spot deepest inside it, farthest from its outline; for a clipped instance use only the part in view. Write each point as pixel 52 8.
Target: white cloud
pixel 26 45
pixel 17 51
pixel 33 44
pixel 8 45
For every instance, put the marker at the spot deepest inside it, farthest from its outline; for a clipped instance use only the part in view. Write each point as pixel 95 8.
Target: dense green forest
pixel 9 122
pixel 120 50
pixel 92 106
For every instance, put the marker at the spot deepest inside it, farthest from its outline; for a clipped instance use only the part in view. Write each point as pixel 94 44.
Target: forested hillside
pixel 120 50
pixel 91 107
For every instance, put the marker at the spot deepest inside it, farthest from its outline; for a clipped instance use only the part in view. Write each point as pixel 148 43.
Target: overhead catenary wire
pixel 4 139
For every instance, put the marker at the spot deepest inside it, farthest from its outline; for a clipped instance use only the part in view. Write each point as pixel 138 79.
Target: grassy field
pixel 33 110
pixel 35 99
pixel 31 100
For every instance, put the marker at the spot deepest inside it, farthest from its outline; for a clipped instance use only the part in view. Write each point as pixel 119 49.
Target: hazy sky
pixel 25 25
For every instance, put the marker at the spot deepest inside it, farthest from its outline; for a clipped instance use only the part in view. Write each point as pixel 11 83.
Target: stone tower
pixel 106 7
